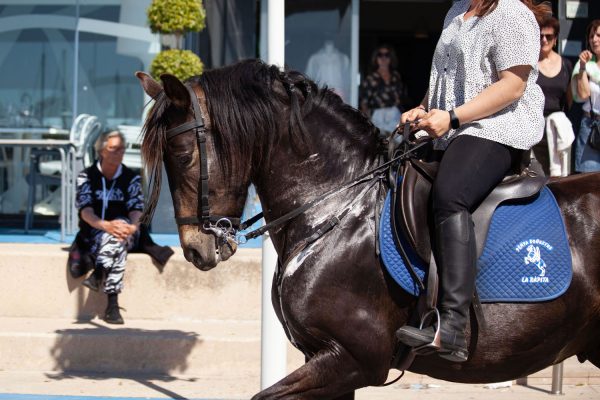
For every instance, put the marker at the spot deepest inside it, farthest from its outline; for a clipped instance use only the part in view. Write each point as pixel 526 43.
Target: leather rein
pixel 224 227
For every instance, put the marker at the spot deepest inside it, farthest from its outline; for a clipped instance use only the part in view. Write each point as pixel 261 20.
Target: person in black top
pixel 554 78
pixel 110 203
pixel 383 94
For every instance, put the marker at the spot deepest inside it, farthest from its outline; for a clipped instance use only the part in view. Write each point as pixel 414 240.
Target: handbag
pixel 594 138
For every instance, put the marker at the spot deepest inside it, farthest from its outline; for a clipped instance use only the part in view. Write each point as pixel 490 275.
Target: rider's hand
pixel 413 114
pixel 436 123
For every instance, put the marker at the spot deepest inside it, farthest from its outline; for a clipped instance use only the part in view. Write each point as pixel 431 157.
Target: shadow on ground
pixel 98 352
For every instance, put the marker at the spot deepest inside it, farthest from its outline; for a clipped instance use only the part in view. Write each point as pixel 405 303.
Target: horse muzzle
pixel 205 251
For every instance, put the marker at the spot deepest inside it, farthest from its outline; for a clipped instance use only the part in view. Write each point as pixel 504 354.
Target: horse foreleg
pixel 327 375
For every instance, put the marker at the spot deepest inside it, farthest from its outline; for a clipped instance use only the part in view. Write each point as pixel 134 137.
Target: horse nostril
pixel 191 255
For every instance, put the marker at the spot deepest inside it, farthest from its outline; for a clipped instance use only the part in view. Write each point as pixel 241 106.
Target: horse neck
pixel 288 180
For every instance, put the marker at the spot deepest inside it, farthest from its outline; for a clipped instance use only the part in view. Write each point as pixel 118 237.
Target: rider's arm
pixel 509 88
pixel 499 95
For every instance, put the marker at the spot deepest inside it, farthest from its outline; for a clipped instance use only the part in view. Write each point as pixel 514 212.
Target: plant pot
pixel 171 41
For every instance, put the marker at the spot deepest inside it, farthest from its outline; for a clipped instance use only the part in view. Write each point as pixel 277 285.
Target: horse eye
pixel 184 159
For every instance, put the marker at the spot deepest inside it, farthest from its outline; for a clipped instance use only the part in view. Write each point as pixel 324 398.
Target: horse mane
pixel 248 104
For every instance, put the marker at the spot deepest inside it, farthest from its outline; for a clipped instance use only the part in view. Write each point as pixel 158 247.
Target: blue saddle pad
pixel 526 256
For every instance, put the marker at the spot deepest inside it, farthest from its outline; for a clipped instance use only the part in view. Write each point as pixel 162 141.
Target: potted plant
pixel 175 18
pixel 172 19
pixel 181 63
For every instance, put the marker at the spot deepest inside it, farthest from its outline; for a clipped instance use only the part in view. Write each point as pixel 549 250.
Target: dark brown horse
pixel 294 142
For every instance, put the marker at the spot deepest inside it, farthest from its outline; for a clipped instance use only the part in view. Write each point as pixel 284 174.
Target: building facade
pixel 62 58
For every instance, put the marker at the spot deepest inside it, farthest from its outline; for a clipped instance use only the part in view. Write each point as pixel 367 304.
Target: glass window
pixel 318 42
pixel 62 58
pixel 36 64
pixel 114 42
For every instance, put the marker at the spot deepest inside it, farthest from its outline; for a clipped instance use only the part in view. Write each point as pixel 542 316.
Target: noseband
pixel 219 225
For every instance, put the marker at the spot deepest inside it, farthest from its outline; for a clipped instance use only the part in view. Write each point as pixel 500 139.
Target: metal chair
pixel 45 169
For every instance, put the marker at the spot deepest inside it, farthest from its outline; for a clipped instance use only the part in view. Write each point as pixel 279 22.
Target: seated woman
pixel 110 203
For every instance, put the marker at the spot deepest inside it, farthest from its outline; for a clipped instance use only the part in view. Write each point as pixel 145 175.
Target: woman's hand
pixel 118 228
pixel 436 123
pixel 584 58
pixel 413 114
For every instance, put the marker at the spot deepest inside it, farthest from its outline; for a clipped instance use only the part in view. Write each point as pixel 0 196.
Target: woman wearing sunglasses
pixel 484 109
pixel 586 90
pixel 382 92
pixel 554 78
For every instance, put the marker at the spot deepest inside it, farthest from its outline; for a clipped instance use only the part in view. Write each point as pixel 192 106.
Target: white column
pixel 354 77
pixel 276 32
pixel 273 339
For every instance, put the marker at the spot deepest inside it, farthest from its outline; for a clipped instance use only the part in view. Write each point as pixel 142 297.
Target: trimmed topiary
pixel 181 63
pixel 176 16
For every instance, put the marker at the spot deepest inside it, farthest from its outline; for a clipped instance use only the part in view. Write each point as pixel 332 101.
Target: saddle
pixel 411 220
pixel 412 217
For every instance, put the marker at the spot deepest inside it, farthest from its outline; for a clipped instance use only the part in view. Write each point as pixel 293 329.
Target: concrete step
pixel 141 347
pixel 171 348
pixel 35 283
pixel 178 320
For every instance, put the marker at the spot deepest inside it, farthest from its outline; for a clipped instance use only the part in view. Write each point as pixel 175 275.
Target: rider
pixel 484 108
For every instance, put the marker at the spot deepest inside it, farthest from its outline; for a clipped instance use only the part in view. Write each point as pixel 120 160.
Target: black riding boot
pixel 456 254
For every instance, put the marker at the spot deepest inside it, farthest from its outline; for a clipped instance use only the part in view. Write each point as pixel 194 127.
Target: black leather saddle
pixel 412 201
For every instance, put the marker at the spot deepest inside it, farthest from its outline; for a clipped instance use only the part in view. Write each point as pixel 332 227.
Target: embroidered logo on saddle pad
pixel 526 257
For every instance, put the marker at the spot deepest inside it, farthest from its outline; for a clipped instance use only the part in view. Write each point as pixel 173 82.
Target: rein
pixel 366 177
pixel 228 227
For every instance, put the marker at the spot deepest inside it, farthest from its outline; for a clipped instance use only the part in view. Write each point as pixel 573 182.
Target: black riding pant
pixel 469 170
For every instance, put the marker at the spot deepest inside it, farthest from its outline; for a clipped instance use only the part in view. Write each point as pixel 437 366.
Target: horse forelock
pixel 152 150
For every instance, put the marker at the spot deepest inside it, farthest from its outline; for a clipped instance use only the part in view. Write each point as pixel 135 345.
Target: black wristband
pixel 454 121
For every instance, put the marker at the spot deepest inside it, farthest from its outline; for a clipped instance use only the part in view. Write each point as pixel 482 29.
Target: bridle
pixel 221 226
pixel 225 228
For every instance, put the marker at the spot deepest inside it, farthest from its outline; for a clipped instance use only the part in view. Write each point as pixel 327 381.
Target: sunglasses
pixel 547 36
pixel 383 55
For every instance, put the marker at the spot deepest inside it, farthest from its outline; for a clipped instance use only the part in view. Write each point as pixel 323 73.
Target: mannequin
pixel 329 66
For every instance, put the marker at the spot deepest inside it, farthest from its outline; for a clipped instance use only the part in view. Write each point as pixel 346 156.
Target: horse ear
pixel 176 91
pixel 150 86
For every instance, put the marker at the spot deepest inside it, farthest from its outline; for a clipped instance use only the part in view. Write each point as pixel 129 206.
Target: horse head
pixel 178 134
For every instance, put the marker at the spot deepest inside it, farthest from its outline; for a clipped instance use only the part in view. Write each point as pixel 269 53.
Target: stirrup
pixel 436 344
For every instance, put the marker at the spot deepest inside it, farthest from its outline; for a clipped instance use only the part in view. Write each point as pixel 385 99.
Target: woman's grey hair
pixel 103 139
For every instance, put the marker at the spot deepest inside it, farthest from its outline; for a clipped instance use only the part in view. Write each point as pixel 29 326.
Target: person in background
pixel 484 109
pixel 382 92
pixel 585 85
pixel 554 78
pixel 110 203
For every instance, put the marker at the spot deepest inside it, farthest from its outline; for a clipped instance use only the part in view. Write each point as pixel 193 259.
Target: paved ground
pixel 60 386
